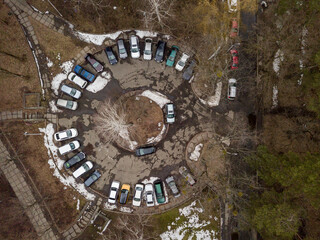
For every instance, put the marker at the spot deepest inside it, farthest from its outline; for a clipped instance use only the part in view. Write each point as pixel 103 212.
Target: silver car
pixel 71 91
pixel 134 46
pixel 147 53
pixel 71 105
pixel 122 49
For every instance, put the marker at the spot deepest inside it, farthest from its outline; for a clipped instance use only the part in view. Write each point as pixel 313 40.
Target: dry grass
pixel 12 87
pixel 57 47
pixel 145 116
pixel 34 155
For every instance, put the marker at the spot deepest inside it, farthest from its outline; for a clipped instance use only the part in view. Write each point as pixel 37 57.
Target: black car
pixel 145 151
pixel 161 46
pixel 94 177
pixel 75 159
pixel 188 73
pixel 111 57
pixel 94 63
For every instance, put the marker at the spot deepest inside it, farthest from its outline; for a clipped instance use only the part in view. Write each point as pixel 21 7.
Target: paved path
pixel 25 195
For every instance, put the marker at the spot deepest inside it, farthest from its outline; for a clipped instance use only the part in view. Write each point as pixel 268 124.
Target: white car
pixel 137 198
pixel 71 91
pixel 115 185
pixel 149 195
pixel 232 5
pixel 71 146
pixel 170 113
pixel 182 62
pixel 83 169
pixel 65 134
pixel 71 105
pixel 232 88
pixel 147 53
pixel 134 46
pixel 77 80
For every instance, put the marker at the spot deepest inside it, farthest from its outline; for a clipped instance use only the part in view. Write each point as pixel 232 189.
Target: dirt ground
pixel 21 63
pixel 145 115
pixel 12 215
pixel 61 201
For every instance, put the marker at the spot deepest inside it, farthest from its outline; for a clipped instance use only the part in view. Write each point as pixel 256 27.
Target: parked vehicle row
pixel 72 146
pixel 153 192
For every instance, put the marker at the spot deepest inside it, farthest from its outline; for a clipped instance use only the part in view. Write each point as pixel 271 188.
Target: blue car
pixel 84 73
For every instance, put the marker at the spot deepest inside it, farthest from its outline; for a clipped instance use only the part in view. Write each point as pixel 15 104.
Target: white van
pixel 83 169
pixel 71 146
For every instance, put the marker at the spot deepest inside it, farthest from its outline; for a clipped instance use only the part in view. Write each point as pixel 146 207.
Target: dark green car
pixel 172 56
pixel 158 187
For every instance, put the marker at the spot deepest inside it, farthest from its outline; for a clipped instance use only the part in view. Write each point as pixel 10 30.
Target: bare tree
pixel 130 227
pixel 157 12
pixel 111 122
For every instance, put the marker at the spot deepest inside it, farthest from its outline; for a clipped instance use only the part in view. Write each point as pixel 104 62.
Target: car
pixel 172 56
pixel 69 147
pixel 124 193
pixel 111 57
pixel 122 49
pixel 161 46
pixel 149 195
pixel 172 185
pixel 188 73
pixel 147 53
pixel 233 5
pixel 235 59
pixel 68 104
pixel 65 134
pixel 84 73
pixel 115 185
pixel 83 169
pixel 75 159
pixel 145 151
pixel 187 175
pixel 77 80
pixel 170 117
pixel 71 91
pixel 134 46
pixel 234 28
pixel 158 187
pixel 94 63
pixel 94 177
pixel 232 88
pixel 182 62
pixel 137 195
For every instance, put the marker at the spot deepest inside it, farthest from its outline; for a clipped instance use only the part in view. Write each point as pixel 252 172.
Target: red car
pixel 235 59
pixel 234 28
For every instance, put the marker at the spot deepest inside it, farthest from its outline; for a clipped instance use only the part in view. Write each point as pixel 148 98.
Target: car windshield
pixel 96 64
pixel 76 158
pixel 170 115
pixel 72 146
pixel 73 92
pixel 147 52
pixel 134 49
pixel 137 199
pixel 122 51
pixel 139 189
pixel 171 58
pixel 181 63
pixel 86 167
pixel 160 53
pixel 73 77
pixel 69 133
pixel 113 189
pixel 69 104
pixel 94 177
pixel 111 56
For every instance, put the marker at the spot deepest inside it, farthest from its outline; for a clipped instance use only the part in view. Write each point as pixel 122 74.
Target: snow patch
pixel 53 107
pixel 126 209
pixel 99 83
pixel 78 204
pixel 57 80
pixel 157 138
pixel 96 39
pixel 196 153
pixel 66 180
pixel 157 97
pixel 49 63
pixel 274 96
pixel 142 34
pixel 150 180
pixel 109 206
pixel 215 100
pixel 278 58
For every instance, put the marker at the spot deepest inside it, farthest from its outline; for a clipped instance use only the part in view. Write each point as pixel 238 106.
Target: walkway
pixel 25 195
